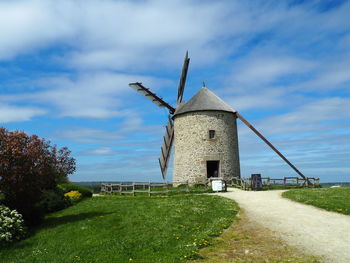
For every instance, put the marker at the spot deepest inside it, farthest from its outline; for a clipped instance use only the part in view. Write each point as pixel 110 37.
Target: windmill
pixel 204 112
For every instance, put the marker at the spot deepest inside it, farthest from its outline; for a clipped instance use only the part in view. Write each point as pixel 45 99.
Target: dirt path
pixel 310 229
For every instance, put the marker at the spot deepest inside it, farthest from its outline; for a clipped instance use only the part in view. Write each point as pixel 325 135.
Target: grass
pixel 286 187
pixel 126 229
pixel 331 199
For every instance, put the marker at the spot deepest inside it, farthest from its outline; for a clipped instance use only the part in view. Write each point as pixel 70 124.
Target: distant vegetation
pixel 95 187
pixel 331 199
pixel 126 229
pixel 335 183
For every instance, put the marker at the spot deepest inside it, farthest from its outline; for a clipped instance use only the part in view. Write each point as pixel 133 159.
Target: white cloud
pixel 313 116
pixel 28 25
pixel 332 74
pixel 267 99
pixel 100 151
pixel 258 71
pixel 87 95
pixel 89 135
pixel 10 113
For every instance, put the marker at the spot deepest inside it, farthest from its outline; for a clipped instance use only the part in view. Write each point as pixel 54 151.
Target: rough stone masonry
pixel 194 147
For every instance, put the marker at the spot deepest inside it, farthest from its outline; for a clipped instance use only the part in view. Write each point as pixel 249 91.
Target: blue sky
pixel 284 65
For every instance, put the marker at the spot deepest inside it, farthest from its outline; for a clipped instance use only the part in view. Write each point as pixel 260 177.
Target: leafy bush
pixel 2 197
pixel 53 200
pixel 11 225
pixel 86 192
pixel 74 196
pixel 199 185
pixel 29 165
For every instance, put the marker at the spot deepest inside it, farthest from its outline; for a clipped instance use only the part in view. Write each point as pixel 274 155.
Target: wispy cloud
pixel 9 113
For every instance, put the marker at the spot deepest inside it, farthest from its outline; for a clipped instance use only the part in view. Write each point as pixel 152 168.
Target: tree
pixel 29 167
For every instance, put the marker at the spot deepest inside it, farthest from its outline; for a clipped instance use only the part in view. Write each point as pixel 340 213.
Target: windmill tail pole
pixel 271 146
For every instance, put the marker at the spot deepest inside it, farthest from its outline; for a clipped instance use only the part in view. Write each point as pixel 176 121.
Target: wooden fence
pixel 149 188
pixel 166 188
pixel 296 181
pixel 246 183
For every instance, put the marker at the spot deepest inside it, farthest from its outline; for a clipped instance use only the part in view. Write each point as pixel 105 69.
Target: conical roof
pixel 204 100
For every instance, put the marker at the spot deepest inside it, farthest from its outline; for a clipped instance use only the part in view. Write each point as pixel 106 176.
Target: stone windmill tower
pixel 205 133
pixel 206 141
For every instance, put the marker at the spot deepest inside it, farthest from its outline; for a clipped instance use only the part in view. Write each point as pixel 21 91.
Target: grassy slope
pixel 126 229
pixel 331 199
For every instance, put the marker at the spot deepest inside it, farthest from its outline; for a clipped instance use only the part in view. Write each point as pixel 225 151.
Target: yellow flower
pixel 73 195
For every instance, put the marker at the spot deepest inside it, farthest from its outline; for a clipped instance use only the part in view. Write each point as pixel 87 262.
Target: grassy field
pixel 331 199
pixel 126 229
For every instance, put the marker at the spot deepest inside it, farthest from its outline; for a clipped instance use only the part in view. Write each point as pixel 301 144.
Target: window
pixel 211 134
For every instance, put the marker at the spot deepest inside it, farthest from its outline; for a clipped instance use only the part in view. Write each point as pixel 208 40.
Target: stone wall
pixel 193 148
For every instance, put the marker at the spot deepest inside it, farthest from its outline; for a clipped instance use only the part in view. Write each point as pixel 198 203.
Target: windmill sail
pixel 151 96
pixel 181 87
pixel 271 146
pixel 166 148
pixel 169 132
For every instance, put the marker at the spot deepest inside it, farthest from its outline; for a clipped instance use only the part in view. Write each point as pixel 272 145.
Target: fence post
pixel 284 181
pixel 133 189
pixel 149 188
pixel 187 187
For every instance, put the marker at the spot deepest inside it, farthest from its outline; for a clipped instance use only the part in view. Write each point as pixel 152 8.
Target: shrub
pixel 53 200
pixel 86 192
pixel 11 225
pixel 74 196
pixel 29 165
pixel 2 197
pixel 199 185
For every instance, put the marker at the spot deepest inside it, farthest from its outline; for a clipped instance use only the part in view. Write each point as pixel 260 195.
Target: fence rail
pixel 150 188
pixel 246 183
pixel 166 188
pixel 297 181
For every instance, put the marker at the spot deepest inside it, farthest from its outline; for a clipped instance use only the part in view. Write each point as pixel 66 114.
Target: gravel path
pixel 315 231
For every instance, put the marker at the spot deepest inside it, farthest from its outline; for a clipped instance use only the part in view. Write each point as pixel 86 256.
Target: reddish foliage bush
pixel 29 165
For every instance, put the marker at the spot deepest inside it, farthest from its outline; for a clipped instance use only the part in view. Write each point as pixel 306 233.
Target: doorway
pixel 212 169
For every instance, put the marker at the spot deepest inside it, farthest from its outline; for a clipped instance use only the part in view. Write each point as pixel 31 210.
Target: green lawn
pixel 331 199
pixel 126 229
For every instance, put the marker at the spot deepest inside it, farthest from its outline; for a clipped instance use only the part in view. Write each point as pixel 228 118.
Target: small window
pixel 211 134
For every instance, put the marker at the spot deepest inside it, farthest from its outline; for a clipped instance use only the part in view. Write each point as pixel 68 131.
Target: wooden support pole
pixel 271 146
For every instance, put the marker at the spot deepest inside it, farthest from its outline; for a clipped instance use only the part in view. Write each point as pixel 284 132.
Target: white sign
pixel 217 185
